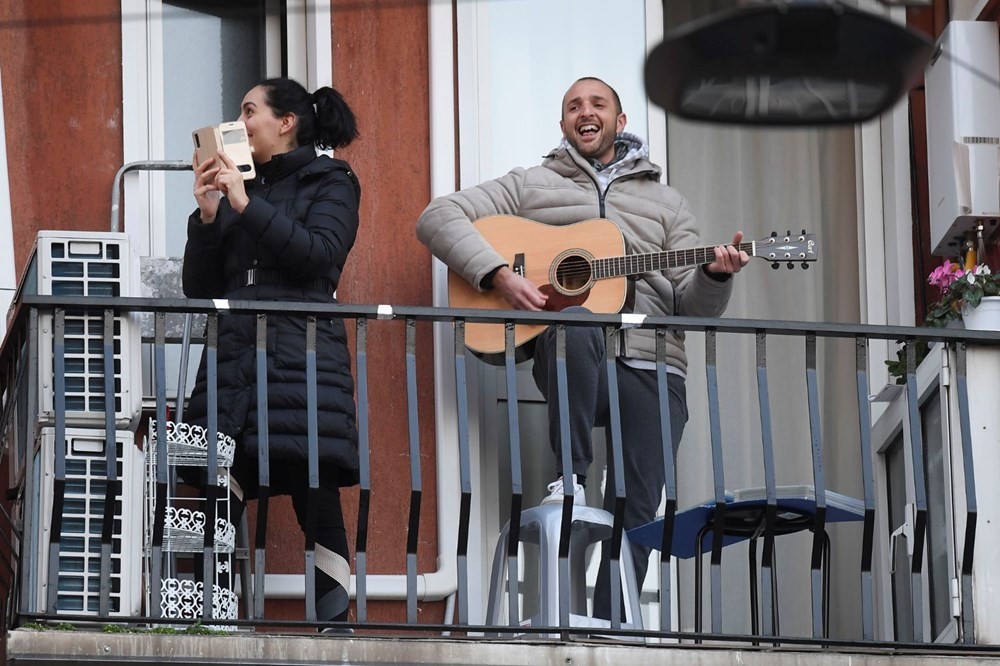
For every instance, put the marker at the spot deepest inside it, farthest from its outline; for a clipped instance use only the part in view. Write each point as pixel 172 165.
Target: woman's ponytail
pixel 324 117
pixel 336 125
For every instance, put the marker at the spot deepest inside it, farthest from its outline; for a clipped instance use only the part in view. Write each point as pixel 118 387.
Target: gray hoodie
pixel 566 189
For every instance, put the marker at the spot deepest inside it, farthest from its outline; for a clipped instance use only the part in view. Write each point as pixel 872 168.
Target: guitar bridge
pixel 518 266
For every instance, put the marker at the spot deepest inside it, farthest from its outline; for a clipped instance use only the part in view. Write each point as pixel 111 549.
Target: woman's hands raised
pixel 206 194
pixel 212 182
pixel 229 181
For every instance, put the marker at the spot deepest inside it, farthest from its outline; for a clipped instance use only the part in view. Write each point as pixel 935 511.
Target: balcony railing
pixel 33 595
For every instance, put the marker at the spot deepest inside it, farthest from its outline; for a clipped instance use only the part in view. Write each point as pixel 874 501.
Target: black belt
pixel 270 277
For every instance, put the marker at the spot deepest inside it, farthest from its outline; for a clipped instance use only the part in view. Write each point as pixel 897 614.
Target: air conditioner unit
pixel 79 577
pixel 962 88
pixel 75 263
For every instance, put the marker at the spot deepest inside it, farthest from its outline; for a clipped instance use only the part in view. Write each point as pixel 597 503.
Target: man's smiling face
pixel 591 119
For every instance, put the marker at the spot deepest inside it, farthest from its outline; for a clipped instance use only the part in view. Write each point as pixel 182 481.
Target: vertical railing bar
pixel 263 467
pixel 182 380
pixel 754 592
pixel 516 487
pixel 718 477
pixel 819 484
pixel 416 486
pixel 614 412
pixel 569 490
pixel 670 480
pixel 364 459
pixel 162 462
pixel 971 506
pixel 919 490
pixel 767 609
pixel 31 546
pixel 59 476
pixel 209 567
pixel 868 481
pixel 312 443
pixel 465 473
pixel 112 482
pixel 182 372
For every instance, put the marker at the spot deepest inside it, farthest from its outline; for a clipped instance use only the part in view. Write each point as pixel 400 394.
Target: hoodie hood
pixel 629 149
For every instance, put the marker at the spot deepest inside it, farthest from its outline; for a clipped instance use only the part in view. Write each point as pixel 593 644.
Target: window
pixel 170 89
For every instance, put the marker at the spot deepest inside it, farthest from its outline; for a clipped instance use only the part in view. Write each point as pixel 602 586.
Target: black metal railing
pixel 26 345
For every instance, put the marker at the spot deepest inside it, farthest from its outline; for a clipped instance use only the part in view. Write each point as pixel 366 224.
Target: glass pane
pixel 937 528
pixel 203 86
pixel 568 36
pixel 902 604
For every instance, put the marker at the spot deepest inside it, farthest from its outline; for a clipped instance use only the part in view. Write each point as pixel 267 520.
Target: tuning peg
pixel 774 234
pixel 803 232
pixel 790 265
pixel 775 265
pixel 805 266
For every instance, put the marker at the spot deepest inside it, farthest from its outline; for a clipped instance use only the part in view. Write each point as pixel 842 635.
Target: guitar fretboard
pixel 634 264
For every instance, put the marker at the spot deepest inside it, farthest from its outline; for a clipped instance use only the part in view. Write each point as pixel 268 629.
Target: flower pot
pixel 986 317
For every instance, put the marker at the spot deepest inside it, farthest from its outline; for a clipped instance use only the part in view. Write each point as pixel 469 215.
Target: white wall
pixel 967 10
pixel 7 277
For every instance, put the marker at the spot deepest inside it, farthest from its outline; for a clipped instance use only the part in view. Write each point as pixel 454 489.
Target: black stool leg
pixel 754 617
pixel 774 592
pixel 826 584
pixel 697 581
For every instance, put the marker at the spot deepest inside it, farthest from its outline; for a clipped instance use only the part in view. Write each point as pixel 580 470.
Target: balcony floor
pixel 27 646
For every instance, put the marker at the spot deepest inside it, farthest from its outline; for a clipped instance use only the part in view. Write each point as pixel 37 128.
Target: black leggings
pixel 332 597
pixel 332 555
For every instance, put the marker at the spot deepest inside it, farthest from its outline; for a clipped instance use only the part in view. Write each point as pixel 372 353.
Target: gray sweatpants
pixel 642 450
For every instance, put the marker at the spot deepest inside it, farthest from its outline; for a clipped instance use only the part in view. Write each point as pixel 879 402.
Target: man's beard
pixel 595 151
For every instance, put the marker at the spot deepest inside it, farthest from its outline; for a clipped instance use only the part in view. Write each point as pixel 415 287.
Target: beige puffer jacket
pixel 653 217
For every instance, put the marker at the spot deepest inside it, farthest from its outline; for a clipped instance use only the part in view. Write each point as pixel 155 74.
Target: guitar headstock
pixel 788 248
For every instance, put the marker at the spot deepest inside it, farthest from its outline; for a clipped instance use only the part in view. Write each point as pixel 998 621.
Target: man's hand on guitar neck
pixel 729 259
pixel 522 294
pixel 519 291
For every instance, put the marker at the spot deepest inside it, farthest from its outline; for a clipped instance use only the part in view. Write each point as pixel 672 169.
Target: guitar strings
pixel 665 258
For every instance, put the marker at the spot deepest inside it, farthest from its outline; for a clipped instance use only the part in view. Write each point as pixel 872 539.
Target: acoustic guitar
pixel 584 264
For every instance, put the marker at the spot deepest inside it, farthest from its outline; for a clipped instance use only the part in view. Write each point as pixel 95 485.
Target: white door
pixel 916 607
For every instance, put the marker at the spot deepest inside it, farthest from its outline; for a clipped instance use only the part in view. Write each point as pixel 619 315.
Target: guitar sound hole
pixel 573 274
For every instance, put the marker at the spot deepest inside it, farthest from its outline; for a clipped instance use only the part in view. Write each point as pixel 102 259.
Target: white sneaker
pixel 557 493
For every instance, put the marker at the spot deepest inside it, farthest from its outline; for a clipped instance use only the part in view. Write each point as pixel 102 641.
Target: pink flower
pixel 942 276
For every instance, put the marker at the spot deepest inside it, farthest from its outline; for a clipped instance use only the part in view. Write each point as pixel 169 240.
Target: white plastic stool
pixel 541 525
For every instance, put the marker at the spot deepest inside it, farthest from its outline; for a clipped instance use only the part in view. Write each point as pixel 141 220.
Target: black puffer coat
pixel 298 228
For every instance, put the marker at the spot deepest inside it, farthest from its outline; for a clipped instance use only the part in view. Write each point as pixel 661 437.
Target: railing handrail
pixel 445 315
pixel 33 304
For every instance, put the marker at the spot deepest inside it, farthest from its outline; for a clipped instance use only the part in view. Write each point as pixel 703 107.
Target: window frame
pixel 308 56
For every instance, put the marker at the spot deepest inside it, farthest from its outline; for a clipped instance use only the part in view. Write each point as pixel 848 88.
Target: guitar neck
pixel 634 264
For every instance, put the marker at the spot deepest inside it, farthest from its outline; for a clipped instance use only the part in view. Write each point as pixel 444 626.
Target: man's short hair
pixel 614 93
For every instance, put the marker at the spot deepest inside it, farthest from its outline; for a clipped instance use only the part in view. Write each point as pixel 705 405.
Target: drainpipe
pixel 151 165
pixel 8 283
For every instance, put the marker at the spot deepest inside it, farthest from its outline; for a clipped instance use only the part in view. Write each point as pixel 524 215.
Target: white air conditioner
pixel 78 263
pixel 79 580
pixel 962 87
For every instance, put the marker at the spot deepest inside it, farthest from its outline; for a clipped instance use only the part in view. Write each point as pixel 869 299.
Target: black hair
pixel 618 100
pixel 324 117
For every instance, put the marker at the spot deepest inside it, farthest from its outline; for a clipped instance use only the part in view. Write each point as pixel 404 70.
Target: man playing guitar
pixel 597 171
